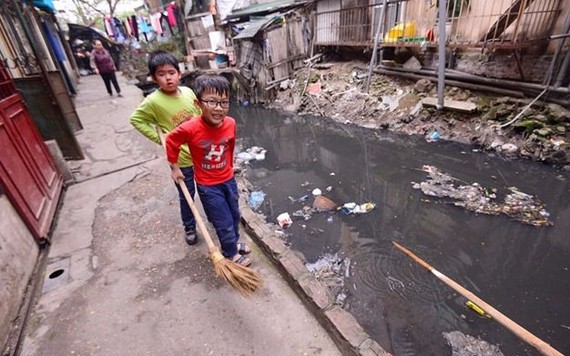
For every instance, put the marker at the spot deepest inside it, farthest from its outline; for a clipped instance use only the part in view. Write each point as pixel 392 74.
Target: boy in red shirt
pixel 211 139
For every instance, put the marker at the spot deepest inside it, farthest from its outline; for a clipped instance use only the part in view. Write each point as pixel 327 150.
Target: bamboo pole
pixel 518 330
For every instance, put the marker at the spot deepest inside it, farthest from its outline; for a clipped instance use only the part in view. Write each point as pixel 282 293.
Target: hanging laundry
pixel 120 34
pixel 109 26
pixel 164 21
pixel 179 19
pixel 155 23
pixel 144 27
pixel 170 9
pixel 134 26
pixel 127 27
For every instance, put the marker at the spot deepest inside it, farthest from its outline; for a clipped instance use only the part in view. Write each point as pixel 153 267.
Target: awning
pixel 91 34
pixel 46 5
pixel 262 9
pixel 256 25
pixel 88 35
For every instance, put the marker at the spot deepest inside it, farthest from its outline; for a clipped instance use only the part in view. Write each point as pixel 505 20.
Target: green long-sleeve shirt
pixel 167 112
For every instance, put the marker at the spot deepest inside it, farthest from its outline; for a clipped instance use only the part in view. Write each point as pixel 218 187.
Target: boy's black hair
pixel 160 58
pixel 216 83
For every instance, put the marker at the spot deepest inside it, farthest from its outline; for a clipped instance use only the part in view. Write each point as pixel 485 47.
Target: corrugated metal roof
pixel 264 8
pixel 255 25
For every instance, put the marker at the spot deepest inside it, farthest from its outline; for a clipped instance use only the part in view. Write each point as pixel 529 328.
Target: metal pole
pixel 441 45
pixel 375 50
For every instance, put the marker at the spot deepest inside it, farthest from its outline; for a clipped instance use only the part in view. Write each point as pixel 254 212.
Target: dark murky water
pixel 521 270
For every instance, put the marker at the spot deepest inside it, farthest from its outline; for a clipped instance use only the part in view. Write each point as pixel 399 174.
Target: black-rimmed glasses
pixel 224 104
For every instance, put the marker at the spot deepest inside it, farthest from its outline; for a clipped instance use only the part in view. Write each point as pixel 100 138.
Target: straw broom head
pixel 243 279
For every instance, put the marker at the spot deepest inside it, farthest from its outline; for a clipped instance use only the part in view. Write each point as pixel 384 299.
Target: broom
pixel 243 279
pixel 518 330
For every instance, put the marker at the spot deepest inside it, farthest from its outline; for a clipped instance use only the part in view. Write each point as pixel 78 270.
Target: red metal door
pixel 27 171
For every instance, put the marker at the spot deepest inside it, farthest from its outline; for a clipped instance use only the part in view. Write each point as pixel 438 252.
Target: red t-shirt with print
pixel 211 148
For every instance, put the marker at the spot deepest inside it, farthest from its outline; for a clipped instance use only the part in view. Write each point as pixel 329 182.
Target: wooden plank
pixel 461 106
pixel 278 51
pixel 286 60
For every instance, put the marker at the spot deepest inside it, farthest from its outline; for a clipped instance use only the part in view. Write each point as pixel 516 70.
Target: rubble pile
pixel 337 90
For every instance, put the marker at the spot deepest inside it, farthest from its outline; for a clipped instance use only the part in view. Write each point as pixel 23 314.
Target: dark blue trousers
pixel 221 204
pixel 185 213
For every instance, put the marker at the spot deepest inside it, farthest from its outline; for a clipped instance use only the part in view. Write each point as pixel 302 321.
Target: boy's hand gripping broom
pixel 243 279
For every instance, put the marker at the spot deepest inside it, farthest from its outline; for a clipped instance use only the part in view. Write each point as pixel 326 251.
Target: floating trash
pixel 466 345
pixel 256 199
pixel 252 153
pixel 433 137
pixel 477 309
pixel 517 205
pixel 284 220
pixel 323 203
pixel 353 208
pixel 303 198
pixel 306 212
pixel 328 267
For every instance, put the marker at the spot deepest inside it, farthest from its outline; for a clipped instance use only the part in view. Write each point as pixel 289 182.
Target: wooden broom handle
pixel 199 221
pixel 518 330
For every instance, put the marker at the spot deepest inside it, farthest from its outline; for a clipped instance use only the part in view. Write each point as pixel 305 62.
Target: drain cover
pixel 57 274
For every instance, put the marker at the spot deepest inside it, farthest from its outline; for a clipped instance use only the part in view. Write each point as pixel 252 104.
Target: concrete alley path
pixel 120 280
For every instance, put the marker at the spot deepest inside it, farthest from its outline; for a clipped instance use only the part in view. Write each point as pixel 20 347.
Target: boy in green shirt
pixel 167 108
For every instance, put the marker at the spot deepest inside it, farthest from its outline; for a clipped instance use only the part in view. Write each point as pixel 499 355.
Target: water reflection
pixel 520 270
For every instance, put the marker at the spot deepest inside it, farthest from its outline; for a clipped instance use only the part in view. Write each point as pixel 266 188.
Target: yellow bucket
pixel 402 30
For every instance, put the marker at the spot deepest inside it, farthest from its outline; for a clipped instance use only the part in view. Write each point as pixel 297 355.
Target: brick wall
pixel 502 66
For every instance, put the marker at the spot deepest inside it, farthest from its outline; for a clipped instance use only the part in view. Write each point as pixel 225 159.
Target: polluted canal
pixel 499 228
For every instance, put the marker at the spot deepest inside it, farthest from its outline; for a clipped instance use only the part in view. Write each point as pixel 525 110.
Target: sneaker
pixel 120 95
pixel 190 235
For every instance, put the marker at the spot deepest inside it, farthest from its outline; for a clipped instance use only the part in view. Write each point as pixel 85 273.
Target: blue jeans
pixel 221 204
pixel 185 212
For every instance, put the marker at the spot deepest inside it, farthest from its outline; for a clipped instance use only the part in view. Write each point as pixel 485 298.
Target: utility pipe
pixel 453 74
pixel 508 83
pixel 492 89
pixel 455 83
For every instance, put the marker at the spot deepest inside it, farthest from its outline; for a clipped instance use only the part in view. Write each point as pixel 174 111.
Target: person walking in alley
pixel 167 108
pixel 211 139
pixel 103 64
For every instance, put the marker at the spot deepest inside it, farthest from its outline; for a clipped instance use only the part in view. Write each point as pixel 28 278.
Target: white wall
pixel 18 255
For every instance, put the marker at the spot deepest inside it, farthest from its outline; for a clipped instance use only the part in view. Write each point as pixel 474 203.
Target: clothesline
pixel 135 25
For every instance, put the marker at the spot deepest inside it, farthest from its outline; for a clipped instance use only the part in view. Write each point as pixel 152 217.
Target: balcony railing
pixel 471 23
